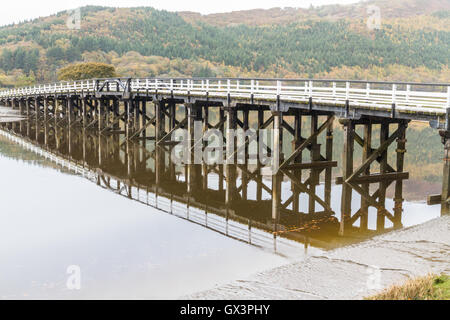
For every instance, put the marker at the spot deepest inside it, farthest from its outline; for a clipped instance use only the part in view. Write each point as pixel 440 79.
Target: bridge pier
pixel 445 195
pixel 359 179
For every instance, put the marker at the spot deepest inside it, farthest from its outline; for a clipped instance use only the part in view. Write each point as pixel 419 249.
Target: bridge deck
pixel 416 101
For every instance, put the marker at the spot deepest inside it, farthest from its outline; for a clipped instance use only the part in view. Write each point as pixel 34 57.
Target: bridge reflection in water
pixel 291 207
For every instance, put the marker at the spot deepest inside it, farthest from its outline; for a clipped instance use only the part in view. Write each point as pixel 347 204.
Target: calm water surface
pixel 52 219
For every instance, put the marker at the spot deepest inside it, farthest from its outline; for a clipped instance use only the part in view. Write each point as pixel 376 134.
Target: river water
pixel 55 219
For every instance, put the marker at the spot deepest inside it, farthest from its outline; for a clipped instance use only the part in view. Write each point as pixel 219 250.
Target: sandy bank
pixel 351 272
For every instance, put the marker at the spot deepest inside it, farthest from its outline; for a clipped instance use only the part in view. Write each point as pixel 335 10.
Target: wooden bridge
pixel 152 109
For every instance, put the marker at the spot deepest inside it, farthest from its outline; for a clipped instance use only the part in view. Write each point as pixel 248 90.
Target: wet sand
pixel 350 272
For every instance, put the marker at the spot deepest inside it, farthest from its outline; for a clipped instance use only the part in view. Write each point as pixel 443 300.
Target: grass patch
pixel 430 287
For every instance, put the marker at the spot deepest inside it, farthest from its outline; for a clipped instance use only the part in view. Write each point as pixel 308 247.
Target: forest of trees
pixel 307 47
pixel 27 60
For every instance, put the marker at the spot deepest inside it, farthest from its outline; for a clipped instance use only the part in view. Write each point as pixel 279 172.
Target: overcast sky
pixel 19 10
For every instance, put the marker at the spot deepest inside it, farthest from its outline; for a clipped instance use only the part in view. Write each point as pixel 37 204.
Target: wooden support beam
pixel 267 123
pixel 288 128
pixel 304 188
pixel 311 165
pixel 149 123
pixel 434 199
pixel 169 134
pixel 377 178
pixel 445 208
pixel 220 124
pixel 381 150
pixel 307 142
pixel 361 142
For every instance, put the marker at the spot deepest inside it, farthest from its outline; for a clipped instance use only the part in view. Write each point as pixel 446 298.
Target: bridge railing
pixel 407 96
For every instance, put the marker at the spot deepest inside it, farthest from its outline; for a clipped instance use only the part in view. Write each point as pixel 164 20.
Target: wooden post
pixel 384 135
pixel 137 114
pixel 144 121
pixel 445 207
pixel 173 115
pixel 69 133
pixel 230 166
pixel 160 120
pixel 231 126
pixel 70 110
pixel 28 108
pixel 276 198
pixel 57 136
pixel 315 156
pixel 100 116
pixel 277 142
pixel 22 112
pixel 45 121
pixel 36 108
pixel 194 178
pixel 56 111
pixel 367 151
pixel 107 113
pixel 347 170
pixel 246 128
pixel 22 106
pixel 296 142
pixel 221 119
pixel 401 150
pixel 259 182
pixel 329 157
pixel 84 111
pixel 45 109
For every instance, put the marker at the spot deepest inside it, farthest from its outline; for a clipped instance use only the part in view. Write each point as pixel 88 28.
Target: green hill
pixel 329 41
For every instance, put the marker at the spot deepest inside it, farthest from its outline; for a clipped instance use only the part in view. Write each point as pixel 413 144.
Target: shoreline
pixel 352 272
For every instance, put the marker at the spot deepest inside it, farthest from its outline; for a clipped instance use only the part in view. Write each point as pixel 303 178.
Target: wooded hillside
pixel 331 41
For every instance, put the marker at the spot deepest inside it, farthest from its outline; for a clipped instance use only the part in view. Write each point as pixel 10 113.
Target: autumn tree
pixel 88 70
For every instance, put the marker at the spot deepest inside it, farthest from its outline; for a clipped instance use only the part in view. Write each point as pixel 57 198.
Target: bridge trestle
pixel 116 127
pixel 363 176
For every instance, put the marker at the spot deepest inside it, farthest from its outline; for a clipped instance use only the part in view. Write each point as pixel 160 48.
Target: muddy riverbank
pixel 352 272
